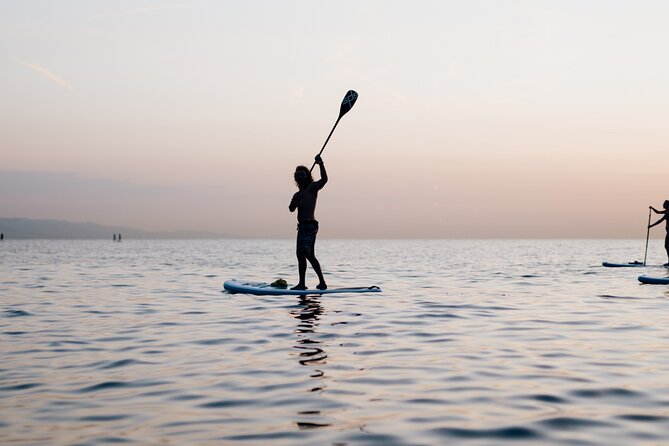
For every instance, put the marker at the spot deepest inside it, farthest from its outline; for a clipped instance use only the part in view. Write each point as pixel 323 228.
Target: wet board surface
pixel 265 289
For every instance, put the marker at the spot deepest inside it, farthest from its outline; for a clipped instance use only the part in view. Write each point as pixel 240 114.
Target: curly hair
pixel 310 179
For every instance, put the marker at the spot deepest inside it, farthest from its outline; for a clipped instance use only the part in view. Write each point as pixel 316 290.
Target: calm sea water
pixel 471 342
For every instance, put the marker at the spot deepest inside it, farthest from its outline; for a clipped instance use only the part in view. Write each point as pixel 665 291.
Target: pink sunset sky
pixel 481 119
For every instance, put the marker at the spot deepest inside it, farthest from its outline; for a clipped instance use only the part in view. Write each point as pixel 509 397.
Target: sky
pixel 477 119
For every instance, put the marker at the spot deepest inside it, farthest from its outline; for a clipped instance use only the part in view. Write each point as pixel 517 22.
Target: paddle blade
pixel 347 102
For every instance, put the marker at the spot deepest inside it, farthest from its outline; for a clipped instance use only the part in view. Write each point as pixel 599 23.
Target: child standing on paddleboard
pixel 304 201
pixel 665 205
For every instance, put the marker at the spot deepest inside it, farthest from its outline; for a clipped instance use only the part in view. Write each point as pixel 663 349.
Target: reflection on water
pixel 471 342
pixel 311 350
pixel 308 314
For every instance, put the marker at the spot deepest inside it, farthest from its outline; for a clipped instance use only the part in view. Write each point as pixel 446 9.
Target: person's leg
pixel 315 264
pixel 666 247
pixel 301 251
pixel 302 270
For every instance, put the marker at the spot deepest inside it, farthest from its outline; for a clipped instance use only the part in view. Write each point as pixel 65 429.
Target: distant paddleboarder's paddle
pixel 647 235
pixel 346 105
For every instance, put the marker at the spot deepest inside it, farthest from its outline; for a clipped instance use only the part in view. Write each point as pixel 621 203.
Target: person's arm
pixel 295 202
pixel 658 222
pixel 324 174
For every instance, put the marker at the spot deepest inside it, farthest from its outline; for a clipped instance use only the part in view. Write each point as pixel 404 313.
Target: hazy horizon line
pixel 202 234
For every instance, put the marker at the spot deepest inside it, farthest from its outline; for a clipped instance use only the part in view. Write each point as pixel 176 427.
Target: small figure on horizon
pixel 665 205
pixel 2 236
pixel 304 201
pixel 114 237
pixel 119 236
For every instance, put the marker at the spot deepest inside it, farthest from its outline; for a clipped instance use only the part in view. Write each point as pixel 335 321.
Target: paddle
pixel 346 105
pixel 647 235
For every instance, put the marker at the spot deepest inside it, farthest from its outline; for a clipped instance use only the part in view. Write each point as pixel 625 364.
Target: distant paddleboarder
pixel 665 205
pixel 304 201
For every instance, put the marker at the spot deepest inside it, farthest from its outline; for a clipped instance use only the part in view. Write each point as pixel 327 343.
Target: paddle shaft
pixel 346 106
pixel 326 141
pixel 647 236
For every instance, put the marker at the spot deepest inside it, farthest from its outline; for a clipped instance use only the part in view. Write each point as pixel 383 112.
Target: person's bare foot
pixel 322 286
pixel 299 286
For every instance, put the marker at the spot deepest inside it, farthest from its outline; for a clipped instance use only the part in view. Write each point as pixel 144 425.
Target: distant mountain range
pixel 27 228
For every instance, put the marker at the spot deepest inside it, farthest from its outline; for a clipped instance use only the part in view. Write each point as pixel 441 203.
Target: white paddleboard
pixel 265 289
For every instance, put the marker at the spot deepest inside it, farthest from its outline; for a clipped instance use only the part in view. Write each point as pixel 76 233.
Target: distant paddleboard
pixel 654 280
pixel 623 265
pixel 265 289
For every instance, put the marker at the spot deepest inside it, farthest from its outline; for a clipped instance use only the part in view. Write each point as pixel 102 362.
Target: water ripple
pixel 114 385
pixel 538 345
pixel 506 433
pixel 16 313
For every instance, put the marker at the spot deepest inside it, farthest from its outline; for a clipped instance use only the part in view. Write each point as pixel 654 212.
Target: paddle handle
pixel 647 236
pixel 326 141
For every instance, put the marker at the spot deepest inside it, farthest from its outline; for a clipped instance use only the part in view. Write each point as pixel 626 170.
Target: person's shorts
pixel 306 236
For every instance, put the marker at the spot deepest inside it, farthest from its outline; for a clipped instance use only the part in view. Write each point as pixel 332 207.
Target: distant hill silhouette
pixel 27 228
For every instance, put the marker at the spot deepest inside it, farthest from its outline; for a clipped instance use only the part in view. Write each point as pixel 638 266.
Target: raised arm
pixel 324 174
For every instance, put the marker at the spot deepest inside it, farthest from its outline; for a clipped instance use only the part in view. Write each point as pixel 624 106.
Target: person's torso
pixel 307 208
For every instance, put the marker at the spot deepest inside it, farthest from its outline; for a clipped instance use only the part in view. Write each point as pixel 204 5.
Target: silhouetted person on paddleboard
pixel 665 205
pixel 304 201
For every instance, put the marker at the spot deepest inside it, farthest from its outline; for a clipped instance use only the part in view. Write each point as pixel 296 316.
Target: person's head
pixel 666 204
pixel 302 176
